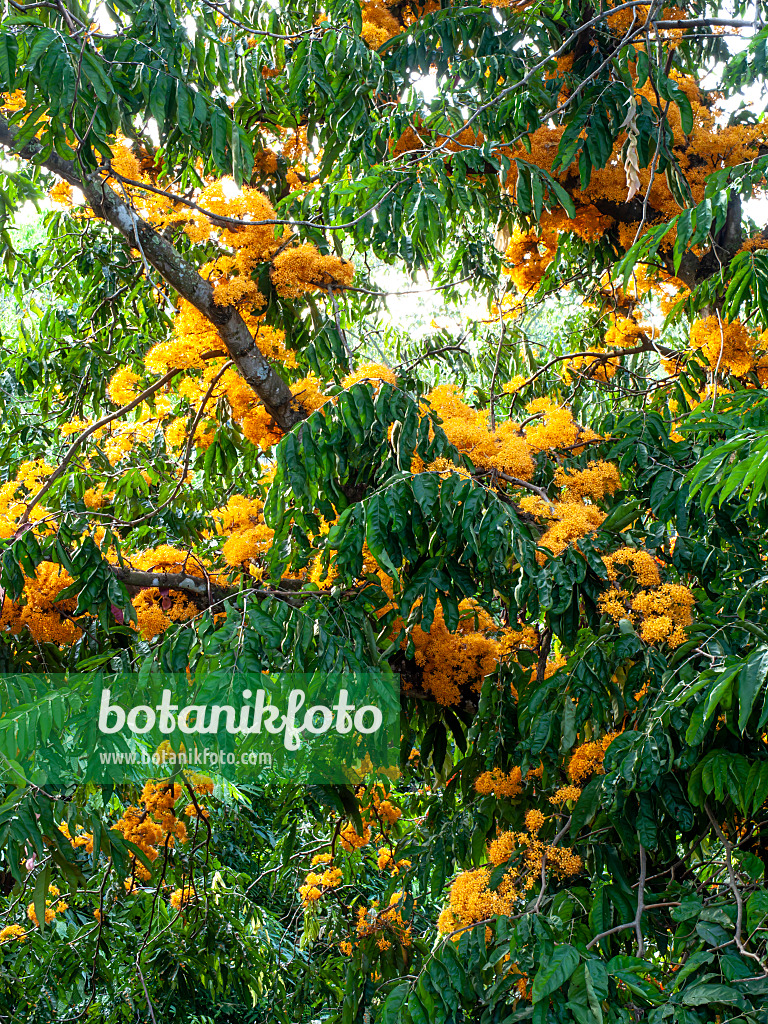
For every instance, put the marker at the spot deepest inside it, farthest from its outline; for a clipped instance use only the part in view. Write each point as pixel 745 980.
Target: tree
pixel 552 531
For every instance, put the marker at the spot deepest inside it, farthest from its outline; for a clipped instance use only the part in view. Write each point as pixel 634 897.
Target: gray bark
pixel 177 271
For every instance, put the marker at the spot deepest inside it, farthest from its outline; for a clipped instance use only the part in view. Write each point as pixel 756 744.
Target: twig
pixel 84 437
pixel 492 411
pixel 641 900
pixel 220 220
pixel 146 992
pixel 187 454
pixel 554 842
pixel 433 352
pixel 528 486
pixel 719 359
pixel 339 329
pixel 630 924
pixel 734 887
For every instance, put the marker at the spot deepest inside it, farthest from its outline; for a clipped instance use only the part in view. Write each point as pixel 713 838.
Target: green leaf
pixel 425 490
pixel 596 979
pixel 751 679
pixel 704 713
pixel 41 894
pixel 9 49
pixel 555 972
pixel 391 1011
pixel 704 995
pixel 377 532
pixel 661 487
pixel 587 805
pixel 219 128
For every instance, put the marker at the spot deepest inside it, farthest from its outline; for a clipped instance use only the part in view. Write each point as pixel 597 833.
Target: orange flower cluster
pixel 727 347
pixel 47 619
pixel 454 661
pixel 386 861
pixel 555 429
pixel 253 243
pixel 377 810
pixel 122 386
pixel 303 269
pixel 249 536
pixel 320 576
pixel 12 102
pixel 710 145
pixel 472 900
pixel 155 612
pixel 518 5
pixel 13 932
pixel 241 221
pixel 308 392
pixel 351 840
pixel 642 566
pixel 181 897
pixel 592 364
pixel 157 609
pixel 468 429
pixel 509 448
pixel 379 24
pixel 155 826
pixel 373 373
pixel 587 760
pixel 506 785
pixel 197 346
pixel 567 522
pixel 593 483
pixel 53 906
pixel 527 256
pixel 575 515
pixel 318 883
pixel 386 926
pixel 16 492
pixel 82 838
pixel 203 786
pixel 501 784
pixel 659 611
pixel 565 794
pixel 415 10
pixel 625 332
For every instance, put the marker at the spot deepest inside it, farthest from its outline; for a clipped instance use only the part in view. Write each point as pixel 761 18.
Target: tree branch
pixel 734 887
pixel 208 594
pixel 554 842
pixel 176 271
pixel 193 586
pixel 70 452
pixel 187 455
pixel 629 924
pixel 641 900
pixel 704 23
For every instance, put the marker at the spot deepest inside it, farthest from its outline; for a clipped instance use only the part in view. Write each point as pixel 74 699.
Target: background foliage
pixel 541 502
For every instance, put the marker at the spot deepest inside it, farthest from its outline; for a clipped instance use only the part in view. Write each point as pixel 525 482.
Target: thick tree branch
pixel 193 586
pixel 176 271
pixel 724 247
pixel 205 593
